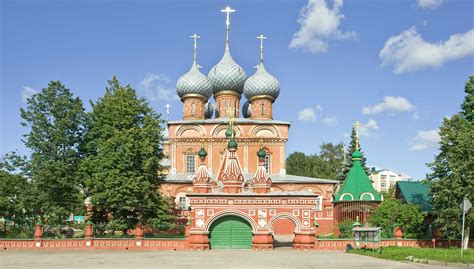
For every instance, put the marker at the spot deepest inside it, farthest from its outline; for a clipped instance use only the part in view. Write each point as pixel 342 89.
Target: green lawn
pixel 439 254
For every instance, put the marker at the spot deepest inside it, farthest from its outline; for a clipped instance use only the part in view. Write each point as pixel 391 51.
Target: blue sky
pixel 398 67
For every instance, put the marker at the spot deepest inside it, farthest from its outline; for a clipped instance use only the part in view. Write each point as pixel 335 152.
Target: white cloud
pixel 330 120
pixel 408 52
pixel 307 114
pixel 319 23
pixel 429 3
pixel 390 104
pixel 27 93
pixel 368 128
pixel 415 116
pixel 424 140
pixel 155 87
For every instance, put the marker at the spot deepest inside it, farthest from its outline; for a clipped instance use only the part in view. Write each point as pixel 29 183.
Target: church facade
pixel 225 163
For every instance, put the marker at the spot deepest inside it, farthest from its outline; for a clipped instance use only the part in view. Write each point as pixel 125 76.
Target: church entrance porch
pixel 230 232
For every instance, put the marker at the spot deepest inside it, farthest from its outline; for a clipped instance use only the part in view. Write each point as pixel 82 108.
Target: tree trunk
pixel 466 237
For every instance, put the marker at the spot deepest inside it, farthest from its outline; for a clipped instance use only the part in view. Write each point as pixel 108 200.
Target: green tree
pixel 55 118
pixel 452 172
pixel 326 164
pixel 392 213
pixel 347 163
pixel 121 166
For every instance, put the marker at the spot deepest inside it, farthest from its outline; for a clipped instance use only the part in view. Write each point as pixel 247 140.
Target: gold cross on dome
pixel 261 37
pixel 228 10
pixel 195 37
pixel 357 125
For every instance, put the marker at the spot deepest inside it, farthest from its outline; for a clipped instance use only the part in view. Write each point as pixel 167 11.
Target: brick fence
pixel 182 244
pixel 340 244
pixel 96 243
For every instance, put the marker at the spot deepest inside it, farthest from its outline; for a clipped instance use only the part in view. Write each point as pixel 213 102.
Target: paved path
pixel 226 259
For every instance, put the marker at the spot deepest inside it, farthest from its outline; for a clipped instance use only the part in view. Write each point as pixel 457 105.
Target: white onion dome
pixel 246 110
pixel 194 83
pixel 227 75
pixel 208 110
pixel 261 84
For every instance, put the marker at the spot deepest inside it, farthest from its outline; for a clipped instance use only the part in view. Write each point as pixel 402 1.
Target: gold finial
pixel 231 120
pixel 195 37
pixel 261 143
pixel 227 10
pixel 261 37
pixel 202 141
pixel 357 125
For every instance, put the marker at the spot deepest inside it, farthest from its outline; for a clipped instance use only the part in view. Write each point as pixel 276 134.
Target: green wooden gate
pixel 230 232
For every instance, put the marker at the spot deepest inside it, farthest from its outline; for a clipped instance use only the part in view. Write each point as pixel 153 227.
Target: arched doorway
pixel 283 232
pixel 230 232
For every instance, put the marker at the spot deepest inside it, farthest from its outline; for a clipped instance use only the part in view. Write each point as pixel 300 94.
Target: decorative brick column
pixel 89 233
pixel 303 241
pixel 139 235
pixel 38 234
pixel 262 241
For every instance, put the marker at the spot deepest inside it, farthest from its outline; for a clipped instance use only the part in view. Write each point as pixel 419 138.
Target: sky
pixel 398 67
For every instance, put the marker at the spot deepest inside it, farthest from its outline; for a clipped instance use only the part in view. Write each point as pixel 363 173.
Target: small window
pixel 182 203
pixel 262 109
pixel 227 104
pixel 190 163
pixel 383 176
pixel 383 185
pixel 193 109
pixel 267 163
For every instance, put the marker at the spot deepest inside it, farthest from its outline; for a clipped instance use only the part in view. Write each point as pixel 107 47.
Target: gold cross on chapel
pixel 357 125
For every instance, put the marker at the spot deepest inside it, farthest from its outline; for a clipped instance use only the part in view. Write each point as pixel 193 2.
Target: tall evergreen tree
pixel 347 163
pixel 55 118
pixel 121 167
pixel 452 172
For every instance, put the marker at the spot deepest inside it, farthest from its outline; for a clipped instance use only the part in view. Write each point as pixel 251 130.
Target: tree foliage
pixel 347 164
pixel 55 118
pixel 392 213
pixel 452 171
pixel 122 155
pixel 326 164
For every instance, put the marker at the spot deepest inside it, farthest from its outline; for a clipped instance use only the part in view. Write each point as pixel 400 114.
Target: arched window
pixel 262 109
pixel 190 162
pixel 267 163
pixel 193 109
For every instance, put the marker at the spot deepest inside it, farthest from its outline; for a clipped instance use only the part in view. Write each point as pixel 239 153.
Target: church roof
pixel 357 185
pixel 415 192
pixel 226 120
pixel 276 178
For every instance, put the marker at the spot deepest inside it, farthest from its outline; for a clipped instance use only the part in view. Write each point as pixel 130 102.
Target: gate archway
pixel 230 232
pixel 284 227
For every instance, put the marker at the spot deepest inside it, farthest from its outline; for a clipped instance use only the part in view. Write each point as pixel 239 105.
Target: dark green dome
pixel 261 153
pixel 202 152
pixel 232 144
pixel 357 155
pixel 230 132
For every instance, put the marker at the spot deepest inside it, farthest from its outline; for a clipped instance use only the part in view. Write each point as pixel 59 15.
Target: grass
pixel 452 255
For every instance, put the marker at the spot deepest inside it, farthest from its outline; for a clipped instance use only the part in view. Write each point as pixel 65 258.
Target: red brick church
pixel 226 173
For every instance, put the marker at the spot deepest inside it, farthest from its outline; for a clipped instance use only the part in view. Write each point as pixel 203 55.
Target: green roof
pixel 357 185
pixel 416 193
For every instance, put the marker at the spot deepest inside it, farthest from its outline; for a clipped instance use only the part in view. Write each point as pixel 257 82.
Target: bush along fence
pixel 177 241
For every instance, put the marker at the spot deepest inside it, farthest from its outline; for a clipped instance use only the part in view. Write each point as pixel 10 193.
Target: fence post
pixel 139 235
pixel 38 234
pixel 89 233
